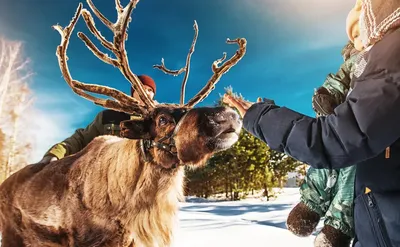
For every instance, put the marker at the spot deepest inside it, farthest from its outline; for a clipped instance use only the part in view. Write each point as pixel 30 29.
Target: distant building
pixel 292 180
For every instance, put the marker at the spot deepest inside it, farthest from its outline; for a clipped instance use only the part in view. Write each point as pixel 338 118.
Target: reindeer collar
pixel 146 145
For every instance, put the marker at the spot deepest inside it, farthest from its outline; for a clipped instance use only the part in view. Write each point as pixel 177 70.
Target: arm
pixel 80 139
pixel 360 128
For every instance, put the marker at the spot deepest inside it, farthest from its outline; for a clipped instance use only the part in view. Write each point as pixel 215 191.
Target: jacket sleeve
pixel 359 129
pixel 338 84
pixel 80 139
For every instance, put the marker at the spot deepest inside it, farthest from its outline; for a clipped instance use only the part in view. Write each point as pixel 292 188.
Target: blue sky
pixel 292 46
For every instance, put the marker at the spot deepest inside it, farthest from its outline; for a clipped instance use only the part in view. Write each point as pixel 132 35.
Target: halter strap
pixel 146 144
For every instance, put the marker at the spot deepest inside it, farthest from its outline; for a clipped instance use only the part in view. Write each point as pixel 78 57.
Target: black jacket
pixel 358 132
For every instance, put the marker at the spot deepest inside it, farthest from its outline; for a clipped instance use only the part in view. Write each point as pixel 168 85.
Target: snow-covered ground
pixel 250 222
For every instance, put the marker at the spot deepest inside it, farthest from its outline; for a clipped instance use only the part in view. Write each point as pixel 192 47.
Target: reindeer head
pixel 170 134
pixel 176 136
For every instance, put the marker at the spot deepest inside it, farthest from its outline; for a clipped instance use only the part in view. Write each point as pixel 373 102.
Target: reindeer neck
pixel 119 180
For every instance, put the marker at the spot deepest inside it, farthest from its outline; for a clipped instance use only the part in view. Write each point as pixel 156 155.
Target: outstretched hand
pixel 240 104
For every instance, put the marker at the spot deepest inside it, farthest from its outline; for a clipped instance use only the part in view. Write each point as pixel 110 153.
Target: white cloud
pixel 313 24
pixel 52 122
pixel 312 12
pixel 46 129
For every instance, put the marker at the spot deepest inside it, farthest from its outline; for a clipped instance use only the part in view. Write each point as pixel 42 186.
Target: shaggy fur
pixel 107 195
pixel 331 237
pixel 302 221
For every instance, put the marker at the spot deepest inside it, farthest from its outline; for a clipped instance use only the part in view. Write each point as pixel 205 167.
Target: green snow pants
pixel 330 193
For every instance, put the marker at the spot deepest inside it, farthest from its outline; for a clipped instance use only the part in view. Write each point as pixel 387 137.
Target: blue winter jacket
pixel 364 130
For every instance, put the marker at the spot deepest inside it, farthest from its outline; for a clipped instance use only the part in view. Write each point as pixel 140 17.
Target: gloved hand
pixel 47 159
pixel 323 102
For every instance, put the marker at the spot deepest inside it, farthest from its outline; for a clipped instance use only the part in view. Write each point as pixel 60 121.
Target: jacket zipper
pixel 370 204
pixel 379 225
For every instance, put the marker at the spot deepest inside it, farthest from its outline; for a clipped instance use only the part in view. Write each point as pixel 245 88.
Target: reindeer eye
pixel 162 121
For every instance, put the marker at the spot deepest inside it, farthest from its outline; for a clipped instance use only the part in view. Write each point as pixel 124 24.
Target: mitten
pixel 323 102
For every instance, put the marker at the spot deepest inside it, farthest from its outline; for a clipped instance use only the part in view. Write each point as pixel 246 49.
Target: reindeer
pixel 119 191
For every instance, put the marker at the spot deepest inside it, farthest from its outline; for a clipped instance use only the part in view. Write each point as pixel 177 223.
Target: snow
pixel 250 222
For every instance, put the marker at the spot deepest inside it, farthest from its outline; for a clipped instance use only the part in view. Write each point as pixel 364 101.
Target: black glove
pixel 323 102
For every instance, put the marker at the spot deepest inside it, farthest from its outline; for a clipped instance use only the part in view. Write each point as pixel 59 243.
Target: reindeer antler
pixel 218 71
pixel 122 101
pixel 185 69
pixel 119 29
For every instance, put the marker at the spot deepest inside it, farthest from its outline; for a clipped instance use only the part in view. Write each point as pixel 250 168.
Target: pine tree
pixel 247 166
pixel 236 172
pixel 281 164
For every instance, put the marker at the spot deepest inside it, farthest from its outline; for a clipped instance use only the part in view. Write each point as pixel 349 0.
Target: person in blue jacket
pixel 364 130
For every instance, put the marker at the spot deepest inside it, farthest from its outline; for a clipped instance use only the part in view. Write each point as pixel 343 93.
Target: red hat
pixel 148 81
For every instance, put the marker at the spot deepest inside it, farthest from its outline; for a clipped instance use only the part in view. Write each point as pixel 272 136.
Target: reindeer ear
pixel 135 129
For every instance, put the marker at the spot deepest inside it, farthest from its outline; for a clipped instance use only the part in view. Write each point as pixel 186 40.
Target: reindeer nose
pixel 227 115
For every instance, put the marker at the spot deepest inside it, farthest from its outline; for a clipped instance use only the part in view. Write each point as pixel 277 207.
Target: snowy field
pixel 246 223
pixel 249 223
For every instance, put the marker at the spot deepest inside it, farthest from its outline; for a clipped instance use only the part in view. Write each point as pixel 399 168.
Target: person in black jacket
pixel 324 193
pixel 364 130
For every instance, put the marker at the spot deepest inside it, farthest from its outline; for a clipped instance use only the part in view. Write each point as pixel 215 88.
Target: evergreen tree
pixel 247 166
pixel 281 164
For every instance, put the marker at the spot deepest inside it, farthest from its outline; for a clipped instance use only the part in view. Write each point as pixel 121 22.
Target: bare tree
pixel 15 98
pixel 2 157
pixel 21 102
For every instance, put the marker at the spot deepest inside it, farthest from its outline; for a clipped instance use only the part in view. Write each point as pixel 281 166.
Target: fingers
pixel 226 99
pixel 231 101
pixel 238 102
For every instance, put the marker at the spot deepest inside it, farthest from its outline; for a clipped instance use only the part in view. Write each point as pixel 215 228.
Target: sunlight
pixel 304 10
pixel 310 22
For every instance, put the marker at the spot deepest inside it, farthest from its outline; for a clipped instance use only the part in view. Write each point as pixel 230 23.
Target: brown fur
pixel 107 195
pixel 331 237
